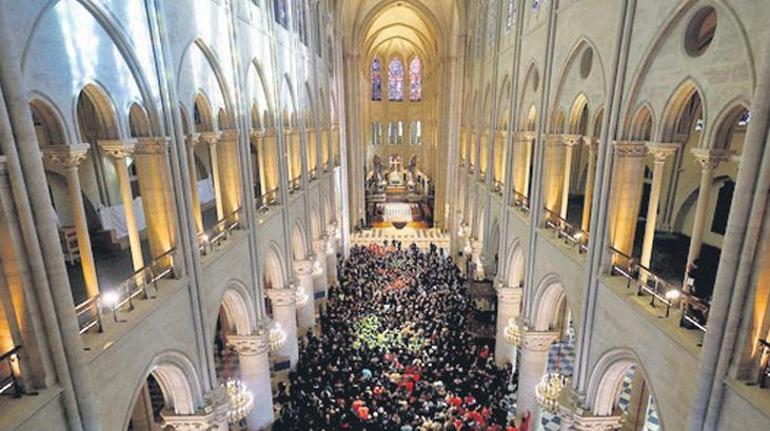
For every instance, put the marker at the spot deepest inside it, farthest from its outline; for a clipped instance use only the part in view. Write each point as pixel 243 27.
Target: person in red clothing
pixel 525 422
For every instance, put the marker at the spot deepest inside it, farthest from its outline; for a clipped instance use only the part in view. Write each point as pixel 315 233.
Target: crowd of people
pixel 394 352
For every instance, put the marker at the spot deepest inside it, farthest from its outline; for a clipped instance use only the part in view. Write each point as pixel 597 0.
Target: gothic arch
pixel 238 307
pixel 515 268
pixel 298 246
pixel 549 300
pixel 179 382
pixel 675 107
pixel 274 274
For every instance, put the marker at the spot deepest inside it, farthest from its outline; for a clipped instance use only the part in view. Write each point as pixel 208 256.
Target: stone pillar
pixel 120 151
pixel 285 313
pixel 141 416
pixel 325 147
pixel 255 374
pixel 320 279
pixel 230 173
pixel 627 182
pixel 533 362
pixel 211 417
pixel 477 247
pixel 508 307
pixel 151 158
pixel 212 139
pixel 331 254
pixel 660 153
pixel 570 142
pixel 66 159
pixel 588 196
pixel 709 160
pixel 196 203
pixel 577 419
pixel 271 161
pixel 553 169
pixel 303 270
pixel 312 157
pixel 257 140
pixel 528 163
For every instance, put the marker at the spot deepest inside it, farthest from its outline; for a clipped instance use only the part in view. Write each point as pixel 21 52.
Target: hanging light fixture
pixel 513 332
pixel 277 337
pixel 549 389
pixel 241 401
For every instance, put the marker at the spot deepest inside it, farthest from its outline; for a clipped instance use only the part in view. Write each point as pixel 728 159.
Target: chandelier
pixel 277 337
pixel 241 400
pixel 513 333
pixel 548 390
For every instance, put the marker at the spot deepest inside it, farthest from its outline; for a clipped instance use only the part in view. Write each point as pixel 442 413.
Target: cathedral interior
pixel 409 215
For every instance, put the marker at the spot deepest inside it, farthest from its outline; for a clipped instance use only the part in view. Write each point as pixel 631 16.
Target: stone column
pixel 553 170
pixel 588 196
pixel 271 161
pixel 66 159
pixel 578 419
pixel 533 362
pixel 660 153
pixel 508 307
pixel 331 254
pixel 709 160
pixel 120 150
pixel 320 279
pixel 570 142
pixel 627 182
pixel 477 248
pixel 211 417
pixel 151 158
pixel 257 140
pixel 229 173
pixel 325 159
pixel 196 203
pixel 285 313
pixel 255 374
pixel 303 270
pixel 141 416
pixel 212 139
pixel 530 139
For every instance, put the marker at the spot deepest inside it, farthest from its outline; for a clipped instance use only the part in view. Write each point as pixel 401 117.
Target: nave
pixel 395 352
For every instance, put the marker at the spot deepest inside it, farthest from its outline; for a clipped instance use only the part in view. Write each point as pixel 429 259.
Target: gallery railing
pixel 218 233
pixel 565 230
pixel 497 186
pixel 268 199
pixel 520 201
pixel 294 184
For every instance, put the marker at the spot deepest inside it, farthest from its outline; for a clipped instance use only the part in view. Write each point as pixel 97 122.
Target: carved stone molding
pixel 61 157
pixel 509 295
pixel 662 150
pixel 210 138
pixel 118 148
pixel 249 345
pixel 554 139
pixel 211 417
pixel 710 158
pixel 630 149
pixel 282 296
pixel 538 341
pixel 572 140
pixel 319 245
pixel 152 146
pixel 303 267
pixel 525 136
pixel 229 135
pixel 192 139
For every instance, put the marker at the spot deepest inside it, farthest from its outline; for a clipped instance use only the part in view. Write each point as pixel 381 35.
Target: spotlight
pixel 110 299
pixel 673 294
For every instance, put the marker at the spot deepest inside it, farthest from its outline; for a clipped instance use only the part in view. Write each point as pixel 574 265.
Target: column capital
pixel 662 150
pixel 524 136
pixel 249 345
pixel 210 417
pixel 118 148
pixel 509 294
pixel 591 142
pixel 192 139
pixel 320 244
pixel 62 157
pixel 554 139
pixel 211 138
pixel 629 149
pixel 283 296
pixel 303 267
pixel 710 157
pixel 152 146
pixel 570 140
pixel 229 135
pixel 537 341
pixel 256 135
pixel 575 418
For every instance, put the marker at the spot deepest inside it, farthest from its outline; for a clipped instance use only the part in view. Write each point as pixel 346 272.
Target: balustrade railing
pixel 520 201
pixel 326 167
pixel 313 174
pixel 268 199
pixel 121 298
pixel 10 381
pixel 294 184
pixel 213 238
pixel 497 186
pixel 694 311
pixel 565 230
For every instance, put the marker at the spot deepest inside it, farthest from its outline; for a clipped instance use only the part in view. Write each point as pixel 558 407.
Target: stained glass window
pixel 376 79
pixel 396 79
pixel 415 80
